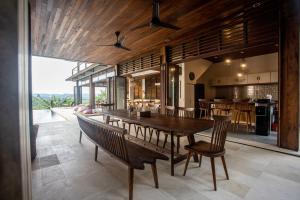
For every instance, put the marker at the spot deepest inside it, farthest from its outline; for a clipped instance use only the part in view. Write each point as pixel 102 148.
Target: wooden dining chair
pixel 189 112
pixel 214 148
pixel 170 111
pixel 156 109
pixel 112 121
pixel 181 112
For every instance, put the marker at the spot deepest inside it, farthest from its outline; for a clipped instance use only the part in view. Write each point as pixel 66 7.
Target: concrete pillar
pixel 10 146
pixel 92 93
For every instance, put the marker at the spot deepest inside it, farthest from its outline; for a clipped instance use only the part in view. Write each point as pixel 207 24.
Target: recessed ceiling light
pixel 228 61
pixel 239 74
pixel 243 65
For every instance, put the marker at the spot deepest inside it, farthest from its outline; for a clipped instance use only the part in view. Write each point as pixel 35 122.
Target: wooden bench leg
pixel 80 136
pixel 154 172
pixel 129 125
pixel 135 128
pixel 150 134
pixel 172 154
pixel 200 160
pixel 157 135
pixel 96 153
pixel 145 131
pixel 178 144
pixel 137 131
pixel 130 182
pixel 165 141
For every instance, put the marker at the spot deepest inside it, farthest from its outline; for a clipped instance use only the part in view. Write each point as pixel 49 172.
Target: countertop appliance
pixel 263 111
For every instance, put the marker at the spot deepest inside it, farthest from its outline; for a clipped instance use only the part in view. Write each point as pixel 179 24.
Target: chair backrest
pixel 203 103
pixel 180 112
pixel 170 111
pixel 186 112
pixel 189 112
pixel 221 124
pixel 110 138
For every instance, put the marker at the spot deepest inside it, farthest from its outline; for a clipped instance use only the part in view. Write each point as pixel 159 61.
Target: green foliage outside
pixel 40 103
pixel 101 97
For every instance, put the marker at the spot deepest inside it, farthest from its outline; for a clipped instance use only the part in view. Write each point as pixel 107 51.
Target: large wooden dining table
pixel 174 126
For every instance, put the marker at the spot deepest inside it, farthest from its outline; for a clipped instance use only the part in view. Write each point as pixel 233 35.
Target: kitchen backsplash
pixel 249 91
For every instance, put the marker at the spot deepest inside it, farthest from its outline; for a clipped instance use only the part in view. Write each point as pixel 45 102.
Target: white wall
pixel 199 67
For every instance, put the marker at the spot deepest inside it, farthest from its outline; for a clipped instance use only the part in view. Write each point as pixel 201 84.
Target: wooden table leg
pixel 172 154
pixel 191 140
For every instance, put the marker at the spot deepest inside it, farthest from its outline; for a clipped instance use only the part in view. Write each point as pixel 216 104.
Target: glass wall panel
pixel 85 98
pixel 173 85
pixel 120 92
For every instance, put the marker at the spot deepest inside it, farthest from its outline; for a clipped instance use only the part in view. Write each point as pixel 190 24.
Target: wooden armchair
pixel 212 149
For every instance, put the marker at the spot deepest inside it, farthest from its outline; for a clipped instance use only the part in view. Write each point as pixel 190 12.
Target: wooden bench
pixel 112 140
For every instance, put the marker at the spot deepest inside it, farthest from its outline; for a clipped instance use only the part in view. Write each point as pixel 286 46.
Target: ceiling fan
pixel 118 44
pixel 155 21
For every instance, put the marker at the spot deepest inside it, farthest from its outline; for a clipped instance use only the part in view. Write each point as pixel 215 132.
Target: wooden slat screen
pixel 151 60
pixel 253 26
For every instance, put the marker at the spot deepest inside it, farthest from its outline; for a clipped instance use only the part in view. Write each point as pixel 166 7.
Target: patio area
pixel 65 169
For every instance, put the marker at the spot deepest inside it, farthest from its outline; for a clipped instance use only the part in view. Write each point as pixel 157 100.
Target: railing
pixel 80 67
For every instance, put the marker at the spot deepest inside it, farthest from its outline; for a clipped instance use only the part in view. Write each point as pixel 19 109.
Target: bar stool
pixel 222 106
pixel 242 108
pixel 204 107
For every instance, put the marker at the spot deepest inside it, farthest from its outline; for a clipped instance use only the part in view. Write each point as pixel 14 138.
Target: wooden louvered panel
pixel 151 60
pixel 253 26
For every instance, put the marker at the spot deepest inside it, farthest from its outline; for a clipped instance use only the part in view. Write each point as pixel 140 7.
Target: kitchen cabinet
pixel 259 78
pixel 264 77
pixel 220 81
pixel 274 77
pixel 239 80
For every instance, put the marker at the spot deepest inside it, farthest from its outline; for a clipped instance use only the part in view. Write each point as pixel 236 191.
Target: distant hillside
pixel 47 101
pixel 48 96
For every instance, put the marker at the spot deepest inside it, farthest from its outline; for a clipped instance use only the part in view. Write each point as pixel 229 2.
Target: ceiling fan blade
pixel 166 25
pixel 125 48
pixel 105 45
pixel 140 26
pixel 121 40
pixel 155 9
pixel 117 33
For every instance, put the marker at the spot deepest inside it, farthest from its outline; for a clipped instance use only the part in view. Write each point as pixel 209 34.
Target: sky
pixel 49 75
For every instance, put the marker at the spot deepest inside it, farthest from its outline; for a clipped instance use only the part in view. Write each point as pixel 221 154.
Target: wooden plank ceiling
pixel 71 29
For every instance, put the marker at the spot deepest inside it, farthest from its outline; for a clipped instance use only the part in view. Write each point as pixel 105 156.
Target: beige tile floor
pixel 254 173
